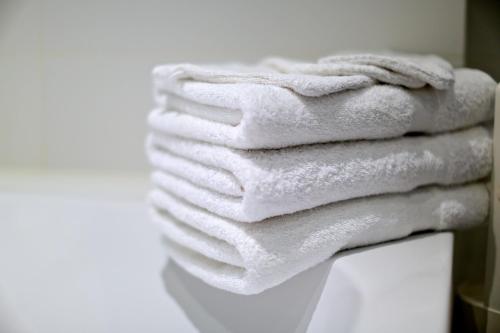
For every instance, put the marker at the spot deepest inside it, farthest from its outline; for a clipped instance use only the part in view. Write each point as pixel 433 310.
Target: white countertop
pixel 79 255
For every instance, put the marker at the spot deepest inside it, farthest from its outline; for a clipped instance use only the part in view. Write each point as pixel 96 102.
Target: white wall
pixel 75 75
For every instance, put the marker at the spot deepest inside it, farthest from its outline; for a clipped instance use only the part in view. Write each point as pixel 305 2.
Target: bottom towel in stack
pixel 247 258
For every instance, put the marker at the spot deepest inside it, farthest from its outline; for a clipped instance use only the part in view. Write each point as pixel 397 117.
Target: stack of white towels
pixel 261 172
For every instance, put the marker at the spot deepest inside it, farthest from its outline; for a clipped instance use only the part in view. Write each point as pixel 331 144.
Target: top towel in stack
pixel 244 215
pixel 282 103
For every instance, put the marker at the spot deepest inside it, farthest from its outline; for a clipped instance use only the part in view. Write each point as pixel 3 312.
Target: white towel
pixel 250 186
pixel 248 258
pixel 172 77
pixel 251 116
pixel 331 75
pixel 412 71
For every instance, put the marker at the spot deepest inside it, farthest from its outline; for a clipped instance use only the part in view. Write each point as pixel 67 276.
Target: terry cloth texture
pixel 250 186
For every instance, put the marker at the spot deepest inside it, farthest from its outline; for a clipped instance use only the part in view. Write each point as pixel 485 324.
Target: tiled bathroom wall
pixel 75 75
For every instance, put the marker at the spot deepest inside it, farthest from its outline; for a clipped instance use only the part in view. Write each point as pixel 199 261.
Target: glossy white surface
pixel 79 255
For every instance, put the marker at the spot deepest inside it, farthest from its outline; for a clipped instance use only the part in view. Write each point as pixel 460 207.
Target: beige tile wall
pixel 75 75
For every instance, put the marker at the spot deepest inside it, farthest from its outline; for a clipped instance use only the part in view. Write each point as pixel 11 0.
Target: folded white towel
pixel 250 186
pixel 412 71
pixel 248 258
pixel 250 116
pixel 171 77
pixel 332 75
